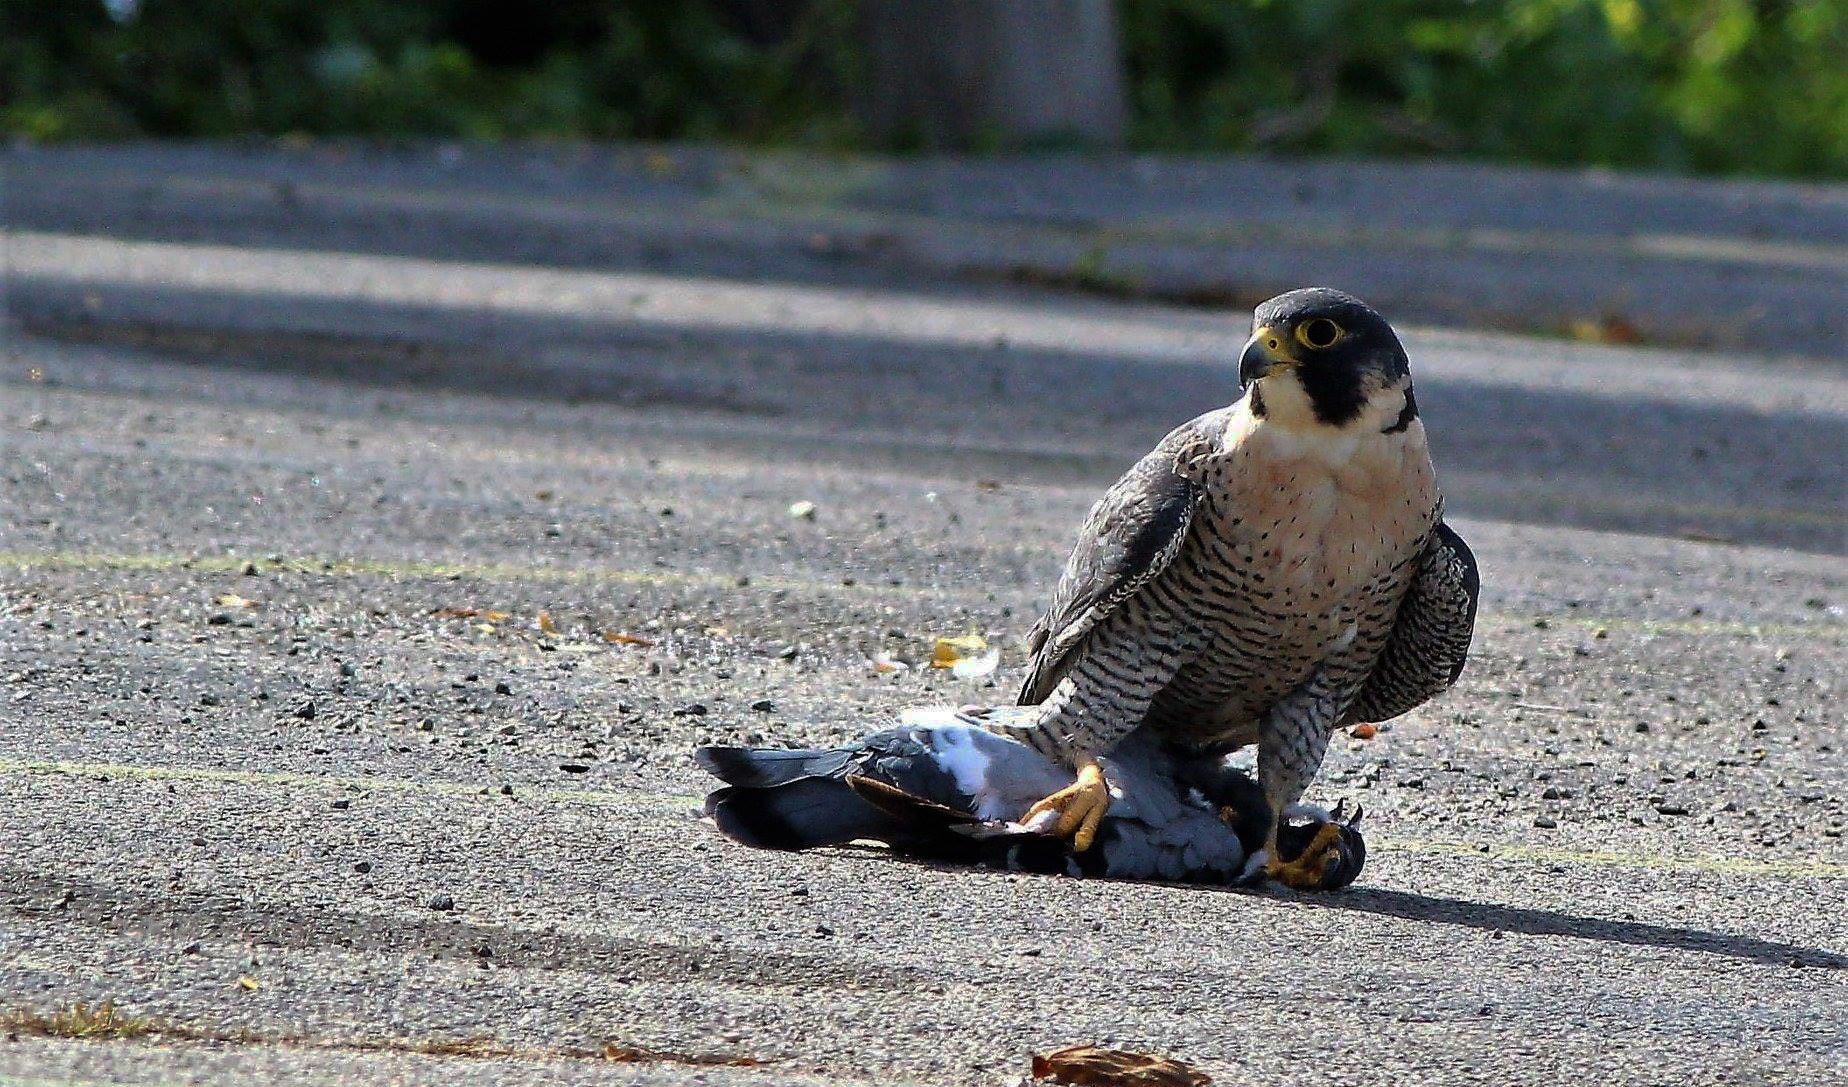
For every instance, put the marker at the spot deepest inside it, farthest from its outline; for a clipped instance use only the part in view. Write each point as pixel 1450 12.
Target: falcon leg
pixel 1291 744
pixel 1080 806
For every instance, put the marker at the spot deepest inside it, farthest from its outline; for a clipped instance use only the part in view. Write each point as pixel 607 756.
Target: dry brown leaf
pixel 1092 1066
pixel 945 652
pixel 1608 328
pixel 545 624
pixel 248 983
pixel 968 657
pixel 232 600
pixel 1364 731
pixel 617 637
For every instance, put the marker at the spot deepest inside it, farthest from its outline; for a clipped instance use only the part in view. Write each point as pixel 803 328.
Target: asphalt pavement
pixel 362 595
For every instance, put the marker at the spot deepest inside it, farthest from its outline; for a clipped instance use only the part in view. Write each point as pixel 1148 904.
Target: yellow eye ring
pixel 1319 333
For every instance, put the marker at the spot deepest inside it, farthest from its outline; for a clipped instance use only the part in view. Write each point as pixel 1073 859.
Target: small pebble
pixel 443 903
pixel 1545 822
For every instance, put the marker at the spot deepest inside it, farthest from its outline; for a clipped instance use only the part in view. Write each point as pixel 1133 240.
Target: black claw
pixel 1352 857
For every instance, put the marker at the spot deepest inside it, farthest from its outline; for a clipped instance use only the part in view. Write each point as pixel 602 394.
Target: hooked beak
pixel 1266 353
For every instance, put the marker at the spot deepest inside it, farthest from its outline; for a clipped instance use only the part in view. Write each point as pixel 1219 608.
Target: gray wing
pixel 1430 638
pixel 1131 535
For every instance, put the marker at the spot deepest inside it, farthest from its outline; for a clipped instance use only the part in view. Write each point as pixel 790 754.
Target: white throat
pixel 1290 423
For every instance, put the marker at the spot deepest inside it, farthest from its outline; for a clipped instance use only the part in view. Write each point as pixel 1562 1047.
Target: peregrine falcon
pixel 1272 571
pixel 944 785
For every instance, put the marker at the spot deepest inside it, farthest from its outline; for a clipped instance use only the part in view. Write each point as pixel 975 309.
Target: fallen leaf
pixel 1097 1067
pixel 617 637
pixel 248 983
pixel 544 623
pixel 232 600
pixel 1364 731
pixel 1609 328
pixel 968 657
pixel 947 651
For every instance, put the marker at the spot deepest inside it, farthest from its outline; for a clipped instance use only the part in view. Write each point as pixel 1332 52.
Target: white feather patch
pixel 957 753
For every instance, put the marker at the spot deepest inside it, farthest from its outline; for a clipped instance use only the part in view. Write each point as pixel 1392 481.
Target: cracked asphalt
pixel 360 603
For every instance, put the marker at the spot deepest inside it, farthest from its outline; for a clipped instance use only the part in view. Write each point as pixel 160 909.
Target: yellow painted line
pixel 219 564
pixel 634 800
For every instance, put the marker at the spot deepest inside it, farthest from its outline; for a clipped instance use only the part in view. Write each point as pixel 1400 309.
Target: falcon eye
pixel 1318 332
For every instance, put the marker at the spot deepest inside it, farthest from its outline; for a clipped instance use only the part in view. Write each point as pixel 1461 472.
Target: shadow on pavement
pixel 1531 922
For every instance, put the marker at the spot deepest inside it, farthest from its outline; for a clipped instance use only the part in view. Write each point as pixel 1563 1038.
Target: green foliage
pixel 650 69
pixel 1711 86
pixel 1733 86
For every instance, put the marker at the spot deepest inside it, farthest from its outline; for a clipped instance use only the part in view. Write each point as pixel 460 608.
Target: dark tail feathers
pixel 766 768
pixel 799 814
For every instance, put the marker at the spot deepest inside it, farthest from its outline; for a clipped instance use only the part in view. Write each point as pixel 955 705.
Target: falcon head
pixel 1317 355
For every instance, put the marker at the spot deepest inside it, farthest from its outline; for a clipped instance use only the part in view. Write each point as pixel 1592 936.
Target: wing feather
pixel 1429 643
pixel 1131 535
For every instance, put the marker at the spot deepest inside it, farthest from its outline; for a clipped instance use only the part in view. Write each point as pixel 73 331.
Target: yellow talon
pixel 1081 807
pixel 1306 872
